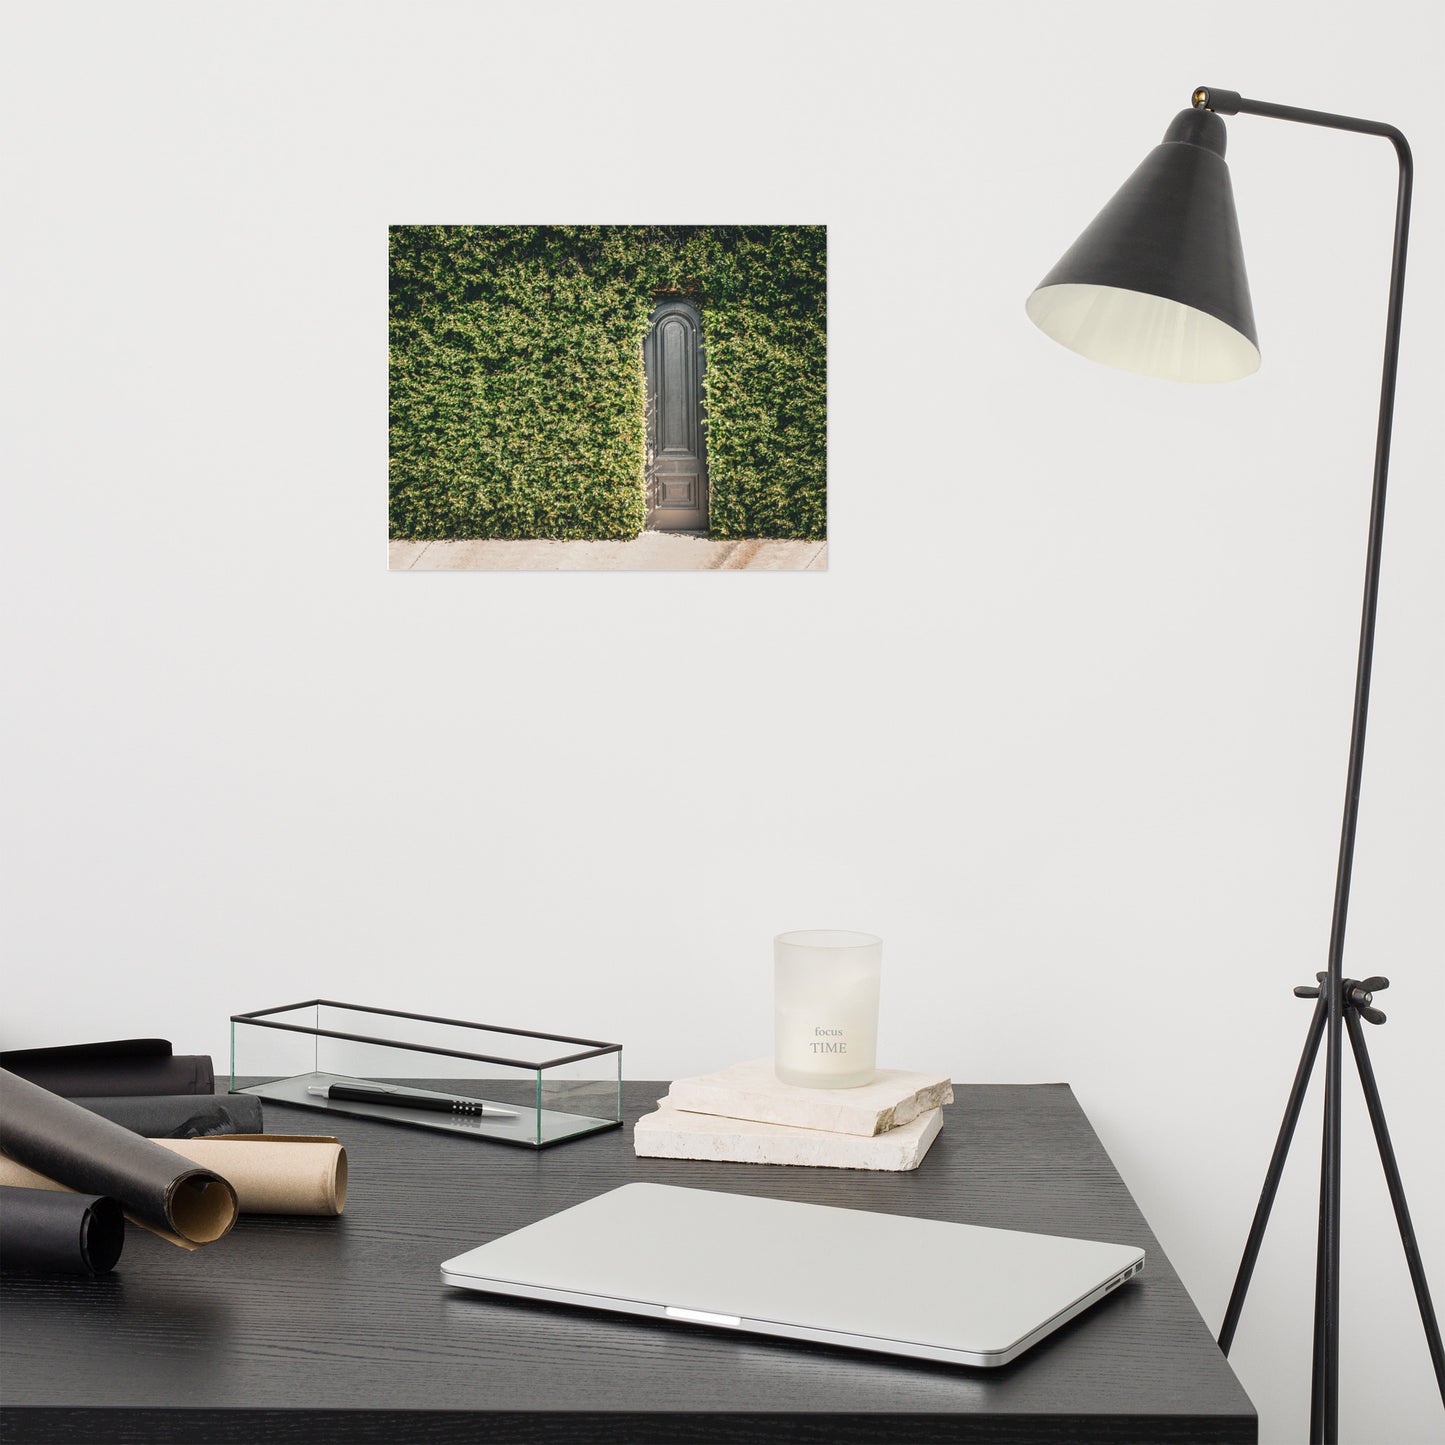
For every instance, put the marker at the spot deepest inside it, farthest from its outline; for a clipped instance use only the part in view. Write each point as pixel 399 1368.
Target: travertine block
pixel 673 1133
pixel 752 1091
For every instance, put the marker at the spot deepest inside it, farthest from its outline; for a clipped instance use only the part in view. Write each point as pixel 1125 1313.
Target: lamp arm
pixel 1231 102
pixel 1325 1416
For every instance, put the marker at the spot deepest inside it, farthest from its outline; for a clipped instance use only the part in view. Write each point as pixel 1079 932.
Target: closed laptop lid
pixel 931 1287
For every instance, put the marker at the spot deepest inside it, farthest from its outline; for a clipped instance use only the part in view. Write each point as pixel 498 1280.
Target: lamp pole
pixel 1342 1004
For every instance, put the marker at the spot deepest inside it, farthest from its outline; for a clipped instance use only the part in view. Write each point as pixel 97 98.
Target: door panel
pixel 676 460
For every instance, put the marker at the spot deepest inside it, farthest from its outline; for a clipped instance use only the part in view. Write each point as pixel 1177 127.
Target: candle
pixel 825 984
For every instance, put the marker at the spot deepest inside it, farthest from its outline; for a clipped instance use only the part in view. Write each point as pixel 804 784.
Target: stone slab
pixel 673 1133
pixel 752 1091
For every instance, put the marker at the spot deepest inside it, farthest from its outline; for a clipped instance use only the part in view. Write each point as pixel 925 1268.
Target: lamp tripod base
pixel 1356 1003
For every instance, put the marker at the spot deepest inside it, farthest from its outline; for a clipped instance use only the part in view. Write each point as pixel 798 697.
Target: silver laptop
pixel 919 1287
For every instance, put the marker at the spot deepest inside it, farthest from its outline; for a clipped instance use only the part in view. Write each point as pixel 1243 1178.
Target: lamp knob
pixel 1221 102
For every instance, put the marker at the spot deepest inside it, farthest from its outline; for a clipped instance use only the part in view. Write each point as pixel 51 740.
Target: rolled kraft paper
pixel 275 1173
pixel 173 1196
pixel 181 1116
pixel 271 1173
pixel 118 1066
pixel 42 1232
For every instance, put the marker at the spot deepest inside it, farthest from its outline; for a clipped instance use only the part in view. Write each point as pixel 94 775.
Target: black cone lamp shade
pixel 1156 284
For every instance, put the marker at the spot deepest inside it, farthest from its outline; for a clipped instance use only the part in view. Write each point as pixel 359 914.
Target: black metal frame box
pixel 445 1074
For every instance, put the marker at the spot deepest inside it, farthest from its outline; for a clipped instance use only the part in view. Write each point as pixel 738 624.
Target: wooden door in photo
pixel 676 452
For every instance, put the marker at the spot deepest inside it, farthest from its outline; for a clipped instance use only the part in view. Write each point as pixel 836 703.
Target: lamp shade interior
pixel 1149 335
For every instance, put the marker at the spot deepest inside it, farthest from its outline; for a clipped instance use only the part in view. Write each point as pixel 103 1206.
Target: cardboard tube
pixel 274 1173
pixel 78 1150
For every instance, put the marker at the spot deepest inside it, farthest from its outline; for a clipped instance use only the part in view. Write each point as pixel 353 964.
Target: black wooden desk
pixel 339 1329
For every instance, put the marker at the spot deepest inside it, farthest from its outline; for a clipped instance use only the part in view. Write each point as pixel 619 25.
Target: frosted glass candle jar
pixel 825 994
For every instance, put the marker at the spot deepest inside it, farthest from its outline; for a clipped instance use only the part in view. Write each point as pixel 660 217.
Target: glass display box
pixel 511 1086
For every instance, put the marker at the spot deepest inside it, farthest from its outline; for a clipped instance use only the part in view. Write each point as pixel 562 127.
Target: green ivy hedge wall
pixel 517 390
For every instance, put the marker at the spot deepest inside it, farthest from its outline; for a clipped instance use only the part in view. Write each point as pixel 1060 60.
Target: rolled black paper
pixel 45 1232
pixel 91 1155
pixel 116 1067
pixel 181 1116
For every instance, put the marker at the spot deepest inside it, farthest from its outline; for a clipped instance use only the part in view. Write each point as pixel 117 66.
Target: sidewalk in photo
pixel 651 552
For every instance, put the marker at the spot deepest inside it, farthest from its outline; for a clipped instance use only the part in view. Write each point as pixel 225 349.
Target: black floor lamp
pixel 1157 285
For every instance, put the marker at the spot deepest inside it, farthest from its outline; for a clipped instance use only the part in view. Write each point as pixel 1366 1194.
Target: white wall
pixel 1066 721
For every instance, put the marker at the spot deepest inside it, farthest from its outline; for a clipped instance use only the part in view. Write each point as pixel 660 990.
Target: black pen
pixel 408 1099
